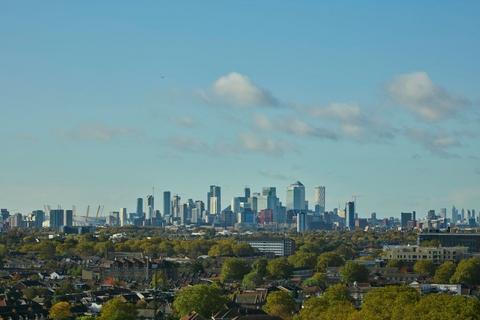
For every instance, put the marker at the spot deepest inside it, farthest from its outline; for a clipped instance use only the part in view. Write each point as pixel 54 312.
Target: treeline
pixel 388 303
pixel 348 244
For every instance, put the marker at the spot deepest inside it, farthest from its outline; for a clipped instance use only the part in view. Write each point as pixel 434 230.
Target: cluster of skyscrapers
pixel 251 210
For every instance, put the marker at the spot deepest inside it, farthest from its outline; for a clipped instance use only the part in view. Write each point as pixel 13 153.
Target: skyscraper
pixel 56 218
pixel 68 220
pixel 167 203
pixel 176 206
pixel 39 218
pixel 296 197
pixel 319 199
pixel 123 217
pixel 150 207
pixel 139 208
pixel 350 215
pixel 214 200
pixel 301 221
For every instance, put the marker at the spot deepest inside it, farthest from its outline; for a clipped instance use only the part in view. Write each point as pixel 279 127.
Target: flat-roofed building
pixel 452 239
pixel 278 247
pixel 414 253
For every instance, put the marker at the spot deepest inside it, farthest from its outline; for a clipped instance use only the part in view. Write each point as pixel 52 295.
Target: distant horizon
pixel 101 101
pixel 158 195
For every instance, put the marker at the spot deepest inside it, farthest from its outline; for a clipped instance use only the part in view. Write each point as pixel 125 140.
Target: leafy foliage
pixel 353 271
pixel 203 299
pixel 280 304
pixel 60 311
pixel 118 309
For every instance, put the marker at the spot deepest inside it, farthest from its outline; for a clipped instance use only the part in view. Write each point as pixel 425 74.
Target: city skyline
pixel 103 101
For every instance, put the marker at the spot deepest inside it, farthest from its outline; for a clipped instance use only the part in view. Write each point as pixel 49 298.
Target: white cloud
pixel 353 122
pixel 417 92
pixel 336 110
pixel 238 90
pixel 260 144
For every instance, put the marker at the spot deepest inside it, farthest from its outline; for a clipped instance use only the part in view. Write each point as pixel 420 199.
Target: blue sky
pixel 101 101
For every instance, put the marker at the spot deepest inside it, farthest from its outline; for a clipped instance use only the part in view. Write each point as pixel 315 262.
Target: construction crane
pixel 98 212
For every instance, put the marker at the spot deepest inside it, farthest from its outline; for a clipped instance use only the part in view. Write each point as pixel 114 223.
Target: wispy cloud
pixel 417 92
pixel 294 126
pixel 353 123
pixel 438 143
pixel 235 89
pixel 98 132
pixel 266 145
pixel 185 121
pixel 189 144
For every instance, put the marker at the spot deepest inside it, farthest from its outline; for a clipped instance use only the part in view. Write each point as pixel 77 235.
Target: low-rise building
pixel 413 253
pixel 279 247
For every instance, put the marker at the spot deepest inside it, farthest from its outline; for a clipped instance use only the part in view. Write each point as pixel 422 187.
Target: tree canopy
pixel 280 304
pixel 60 311
pixel 353 271
pixel 118 309
pixel 203 299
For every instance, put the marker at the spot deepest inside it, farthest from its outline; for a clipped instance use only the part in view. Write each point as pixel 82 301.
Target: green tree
pixel 252 280
pixel 242 249
pixel 200 298
pixel 337 293
pixel 394 302
pixel 395 263
pixel 353 271
pixel 234 269
pixel 279 268
pixel 318 279
pixel 260 266
pixel 303 260
pixel 424 267
pixel 118 309
pixel 60 311
pixel 444 306
pixel 467 272
pixel 280 304
pixel 159 280
pixel 222 249
pixel 329 259
pixel 335 303
pixel 444 272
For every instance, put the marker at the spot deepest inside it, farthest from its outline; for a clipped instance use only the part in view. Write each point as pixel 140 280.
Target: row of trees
pixel 467 272
pixel 114 309
pixel 395 302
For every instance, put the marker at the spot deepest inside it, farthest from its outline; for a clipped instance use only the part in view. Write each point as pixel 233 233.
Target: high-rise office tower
pixel 296 197
pixel 247 192
pixel 139 208
pixel 167 203
pixel 405 218
pixel 123 217
pixel 176 206
pixel 443 213
pixel 319 194
pixel 150 207
pixel 268 199
pixel 57 218
pixel 301 221
pixel 68 219
pixel 214 200
pixel 39 216
pixel 350 215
